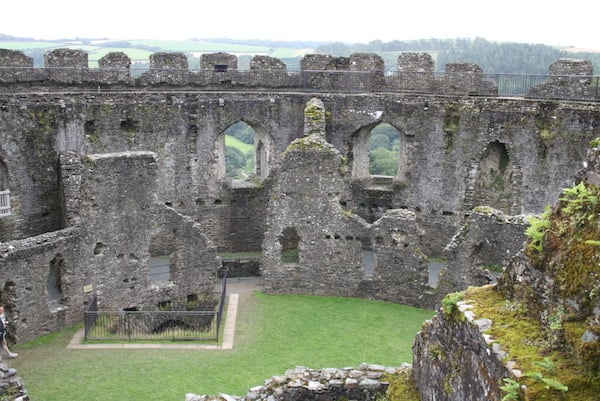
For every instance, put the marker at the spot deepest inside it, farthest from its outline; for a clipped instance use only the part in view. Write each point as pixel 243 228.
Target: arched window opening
pixel 289 241
pixel 384 150
pixel 4 191
pixel 54 280
pixel 239 151
pixel 162 250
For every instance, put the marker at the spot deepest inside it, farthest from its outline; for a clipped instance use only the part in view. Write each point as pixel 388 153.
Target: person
pixel 3 326
pixel 489 277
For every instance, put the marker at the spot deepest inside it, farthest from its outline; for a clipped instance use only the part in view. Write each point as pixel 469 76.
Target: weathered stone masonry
pixel 97 178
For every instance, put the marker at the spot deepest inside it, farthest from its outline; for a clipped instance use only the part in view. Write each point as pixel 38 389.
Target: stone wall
pixel 454 361
pixel 365 383
pixel 487 240
pixel 569 79
pixel 11 385
pixel 337 251
pixel 447 143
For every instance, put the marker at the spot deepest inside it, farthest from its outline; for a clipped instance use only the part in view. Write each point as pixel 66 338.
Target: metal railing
pixel 5 203
pixel 172 325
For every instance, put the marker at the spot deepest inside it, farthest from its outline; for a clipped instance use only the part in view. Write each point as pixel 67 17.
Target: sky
pixel 559 23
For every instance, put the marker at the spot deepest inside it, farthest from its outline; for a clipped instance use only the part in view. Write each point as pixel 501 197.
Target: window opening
pixel 289 241
pixel 239 151
pixel 384 150
pixel 368 259
pixel 54 280
pixel 162 249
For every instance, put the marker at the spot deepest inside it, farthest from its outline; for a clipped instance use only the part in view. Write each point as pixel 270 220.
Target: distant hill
pixel 493 57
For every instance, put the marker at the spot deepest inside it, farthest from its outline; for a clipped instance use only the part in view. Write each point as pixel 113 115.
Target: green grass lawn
pixel 273 334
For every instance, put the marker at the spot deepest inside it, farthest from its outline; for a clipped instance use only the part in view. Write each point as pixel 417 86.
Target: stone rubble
pixel 363 383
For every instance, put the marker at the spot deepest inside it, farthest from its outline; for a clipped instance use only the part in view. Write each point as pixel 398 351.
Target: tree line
pixel 492 57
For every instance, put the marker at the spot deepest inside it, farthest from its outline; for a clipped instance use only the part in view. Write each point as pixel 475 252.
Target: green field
pixel 273 334
pixel 245 148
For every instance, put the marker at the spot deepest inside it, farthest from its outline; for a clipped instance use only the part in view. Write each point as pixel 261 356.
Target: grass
pixel 273 334
pixel 236 143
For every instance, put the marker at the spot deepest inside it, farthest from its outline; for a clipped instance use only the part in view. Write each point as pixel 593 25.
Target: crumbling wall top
pixel 14 58
pixel 415 62
pixel 319 62
pixel 66 58
pixel 462 68
pixel 168 60
pixel 366 62
pixel 218 62
pixel 571 66
pixel 266 63
pixel 115 60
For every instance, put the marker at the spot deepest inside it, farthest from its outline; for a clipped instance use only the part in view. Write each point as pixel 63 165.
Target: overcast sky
pixel 562 23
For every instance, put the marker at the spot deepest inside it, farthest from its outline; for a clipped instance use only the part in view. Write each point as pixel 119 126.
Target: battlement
pixel 568 79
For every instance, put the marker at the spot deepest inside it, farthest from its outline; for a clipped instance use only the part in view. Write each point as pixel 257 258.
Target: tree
pixel 235 161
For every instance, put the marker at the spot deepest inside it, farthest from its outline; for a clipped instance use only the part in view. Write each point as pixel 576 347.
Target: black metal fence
pixel 173 325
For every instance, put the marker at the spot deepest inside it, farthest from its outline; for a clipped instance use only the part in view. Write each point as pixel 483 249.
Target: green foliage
pixel 537 230
pixel 241 131
pixel 235 161
pixel 578 199
pixel 549 383
pixel 449 304
pixel 511 388
pixel 383 162
pixel 552 384
pixel 384 146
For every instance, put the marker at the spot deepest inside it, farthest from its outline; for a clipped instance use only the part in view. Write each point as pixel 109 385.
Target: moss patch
pixel 402 386
pixel 525 342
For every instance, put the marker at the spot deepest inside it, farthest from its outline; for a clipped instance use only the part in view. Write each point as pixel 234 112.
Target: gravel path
pixel 244 285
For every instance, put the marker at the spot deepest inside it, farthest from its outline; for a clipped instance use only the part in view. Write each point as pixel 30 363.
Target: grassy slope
pixel 236 143
pixel 273 334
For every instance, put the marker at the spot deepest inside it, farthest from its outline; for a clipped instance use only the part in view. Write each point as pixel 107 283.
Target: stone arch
pixel 493 178
pixel 256 161
pixel 361 146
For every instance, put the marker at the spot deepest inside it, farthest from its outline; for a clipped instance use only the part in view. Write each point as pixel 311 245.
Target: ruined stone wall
pixel 454 361
pixel 25 267
pixel 27 151
pixel 487 240
pixel 445 143
pixel 445 151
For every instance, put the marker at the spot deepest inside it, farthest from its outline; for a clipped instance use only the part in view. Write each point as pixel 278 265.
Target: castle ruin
pixel 102 170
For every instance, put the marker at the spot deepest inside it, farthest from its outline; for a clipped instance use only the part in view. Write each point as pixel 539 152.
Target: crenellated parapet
pixel 569 79
pixel 360 72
